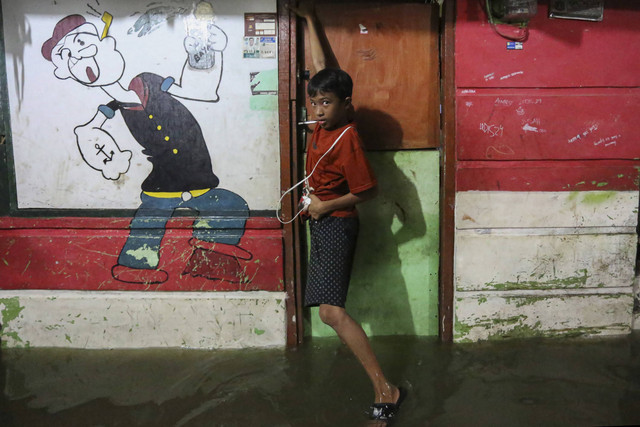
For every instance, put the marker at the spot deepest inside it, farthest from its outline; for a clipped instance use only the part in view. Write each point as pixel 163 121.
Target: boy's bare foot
pixel 390 394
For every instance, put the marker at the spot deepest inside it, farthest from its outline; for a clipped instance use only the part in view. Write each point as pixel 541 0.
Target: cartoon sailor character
pixel 182 175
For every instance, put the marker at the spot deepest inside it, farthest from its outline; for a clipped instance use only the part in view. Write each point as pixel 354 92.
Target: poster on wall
pixel 146 106
pixel 260 32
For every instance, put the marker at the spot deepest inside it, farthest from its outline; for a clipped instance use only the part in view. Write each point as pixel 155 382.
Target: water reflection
pixel 533 382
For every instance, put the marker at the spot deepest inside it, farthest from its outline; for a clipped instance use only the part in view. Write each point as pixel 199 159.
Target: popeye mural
pixel 182 175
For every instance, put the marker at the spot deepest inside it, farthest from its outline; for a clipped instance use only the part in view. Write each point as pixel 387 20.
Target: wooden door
pixel 390 49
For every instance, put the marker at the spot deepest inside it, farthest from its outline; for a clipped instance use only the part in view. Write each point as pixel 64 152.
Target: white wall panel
pixel 510 209
pixel 514 261
pixel 509 315
pixel 99 320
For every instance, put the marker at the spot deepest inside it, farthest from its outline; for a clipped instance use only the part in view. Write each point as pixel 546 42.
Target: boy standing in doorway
pixel 339 178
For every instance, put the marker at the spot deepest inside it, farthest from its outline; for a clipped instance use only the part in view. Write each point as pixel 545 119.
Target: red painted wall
pixel 79 253
pixel 559 53
pixel 538 124
pixel 560 114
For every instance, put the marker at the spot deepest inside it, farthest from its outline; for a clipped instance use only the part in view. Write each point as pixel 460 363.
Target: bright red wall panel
pixel 539 124
pixel 583 175
pixel 558 52
pixel 78 254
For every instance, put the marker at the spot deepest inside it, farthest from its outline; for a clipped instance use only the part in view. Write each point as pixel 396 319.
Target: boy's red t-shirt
pixel 345 169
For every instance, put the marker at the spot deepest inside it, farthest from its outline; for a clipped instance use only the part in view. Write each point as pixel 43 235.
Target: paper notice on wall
pixel 260 31
pixel 260 24
pixel 259 47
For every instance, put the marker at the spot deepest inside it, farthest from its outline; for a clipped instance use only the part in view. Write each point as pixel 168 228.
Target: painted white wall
pixel 544 263
pixel 100 320
pixel 50 173
pixel 494 315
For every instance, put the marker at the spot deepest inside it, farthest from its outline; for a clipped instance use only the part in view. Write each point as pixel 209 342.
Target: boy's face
pixel 330 111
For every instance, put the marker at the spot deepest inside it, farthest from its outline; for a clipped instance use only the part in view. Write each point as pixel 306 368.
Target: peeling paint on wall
pixel 577 281
pixel 598 197
pixel 149 255
pixel 11 310
pixel 507 315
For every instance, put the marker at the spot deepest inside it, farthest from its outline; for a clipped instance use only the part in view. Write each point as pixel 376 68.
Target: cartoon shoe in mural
pixel 182 176
pixel 217 261
pixel 137 275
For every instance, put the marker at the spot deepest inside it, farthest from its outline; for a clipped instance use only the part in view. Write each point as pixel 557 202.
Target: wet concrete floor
pixel 535 382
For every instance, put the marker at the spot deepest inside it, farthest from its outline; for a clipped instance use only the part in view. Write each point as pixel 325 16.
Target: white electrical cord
pixel 306 178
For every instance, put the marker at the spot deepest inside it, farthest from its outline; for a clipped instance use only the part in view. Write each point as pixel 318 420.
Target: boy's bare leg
pixel 352 334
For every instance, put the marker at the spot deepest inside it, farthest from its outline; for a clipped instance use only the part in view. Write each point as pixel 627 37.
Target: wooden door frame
pixel 290 155
pixel 447 171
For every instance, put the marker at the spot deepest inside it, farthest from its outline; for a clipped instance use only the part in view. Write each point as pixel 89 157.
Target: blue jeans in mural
pixel 222 215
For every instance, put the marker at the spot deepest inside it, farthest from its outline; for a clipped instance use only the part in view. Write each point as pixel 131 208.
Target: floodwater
pixel 535 382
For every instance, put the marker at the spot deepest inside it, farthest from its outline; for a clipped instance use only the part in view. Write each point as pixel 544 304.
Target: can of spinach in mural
pixel 203 38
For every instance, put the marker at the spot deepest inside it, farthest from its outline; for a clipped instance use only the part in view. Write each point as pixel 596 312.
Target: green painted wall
pixel 394 286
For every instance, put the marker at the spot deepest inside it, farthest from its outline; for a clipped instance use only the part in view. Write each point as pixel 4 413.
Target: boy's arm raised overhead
pixel 322 55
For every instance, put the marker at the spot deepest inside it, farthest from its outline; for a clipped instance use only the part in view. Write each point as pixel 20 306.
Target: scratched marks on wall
pixel 537 124
pixel 523 118
pixel 493 130
pixel 591 136
pixel 492 76
pixel 527 123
